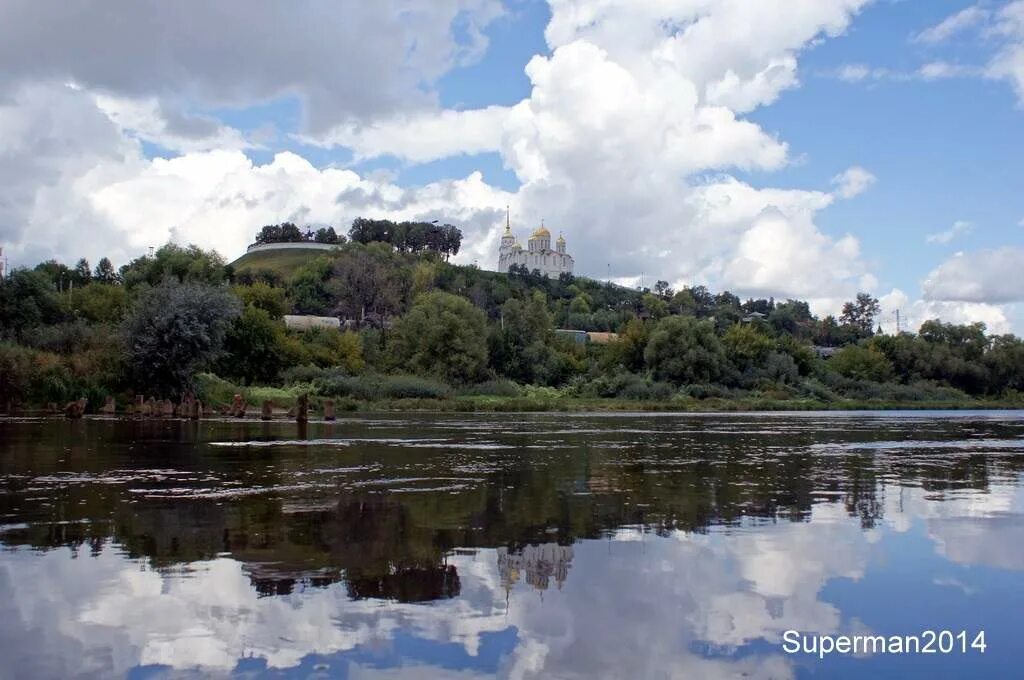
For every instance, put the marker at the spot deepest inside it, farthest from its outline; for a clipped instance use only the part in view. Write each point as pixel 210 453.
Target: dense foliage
pixel 416 326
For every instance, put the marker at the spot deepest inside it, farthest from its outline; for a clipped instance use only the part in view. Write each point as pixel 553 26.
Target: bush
pixel 214 390
pixel 62 338
pixel 493 388
pixel 33 377
pixel 537 392
pixel 376 387
pixel 706 391
pixel 308 373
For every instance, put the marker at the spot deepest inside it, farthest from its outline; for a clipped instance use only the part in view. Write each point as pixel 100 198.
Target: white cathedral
pixel 538 253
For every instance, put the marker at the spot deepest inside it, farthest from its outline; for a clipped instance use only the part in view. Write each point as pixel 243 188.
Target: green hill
pixel 282 262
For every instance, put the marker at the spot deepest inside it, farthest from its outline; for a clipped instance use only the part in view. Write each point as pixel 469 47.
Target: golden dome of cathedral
pixel 541 232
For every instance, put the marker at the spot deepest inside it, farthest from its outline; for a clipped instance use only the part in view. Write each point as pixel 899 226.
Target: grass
pixel 283 262
pixel 497 404
pixel 216 391
pixel 407 393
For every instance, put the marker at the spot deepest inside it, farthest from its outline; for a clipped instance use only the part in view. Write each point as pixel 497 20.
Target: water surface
pixel 513 546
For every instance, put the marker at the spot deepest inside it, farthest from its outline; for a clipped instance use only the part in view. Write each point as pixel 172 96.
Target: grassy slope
pixel 284 262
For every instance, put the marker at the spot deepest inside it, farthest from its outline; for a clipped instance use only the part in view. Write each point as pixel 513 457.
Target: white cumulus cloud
pixel 959 22
pixel 959 228
pixel 853 181
pixel 984 276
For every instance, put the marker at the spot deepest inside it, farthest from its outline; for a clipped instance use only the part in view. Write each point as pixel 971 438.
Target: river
pixel 512 545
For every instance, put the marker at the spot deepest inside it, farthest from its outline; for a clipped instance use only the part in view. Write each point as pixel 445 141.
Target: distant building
pixel 304 323
pixel 825 352
pixel 602 338
pixel 579 337
pixel 583 337
pixel 538 254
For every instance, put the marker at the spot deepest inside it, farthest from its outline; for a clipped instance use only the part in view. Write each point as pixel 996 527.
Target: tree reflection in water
pixel 722 531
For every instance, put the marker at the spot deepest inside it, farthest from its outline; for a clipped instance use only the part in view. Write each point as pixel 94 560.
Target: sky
pixel 803 149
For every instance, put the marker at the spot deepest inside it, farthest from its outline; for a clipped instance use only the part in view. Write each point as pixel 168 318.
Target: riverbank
pixel 282 401
pixel 487 404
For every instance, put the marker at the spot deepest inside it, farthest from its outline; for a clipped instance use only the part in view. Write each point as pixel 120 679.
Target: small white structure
pixel 290 245
pixel 538 253
pixel 301 322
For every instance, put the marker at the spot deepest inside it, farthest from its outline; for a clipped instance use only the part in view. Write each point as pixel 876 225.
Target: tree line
pixel 417 325
pixel 406 237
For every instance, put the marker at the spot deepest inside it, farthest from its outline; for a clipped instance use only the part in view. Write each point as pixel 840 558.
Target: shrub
pixel 308 373
pixel 706 391
pixel 493 388
pixel 377 387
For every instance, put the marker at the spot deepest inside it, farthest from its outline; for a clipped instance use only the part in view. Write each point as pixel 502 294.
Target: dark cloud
pixel 347 59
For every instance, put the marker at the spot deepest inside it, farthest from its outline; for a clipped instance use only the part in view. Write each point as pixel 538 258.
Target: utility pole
pixel 898 330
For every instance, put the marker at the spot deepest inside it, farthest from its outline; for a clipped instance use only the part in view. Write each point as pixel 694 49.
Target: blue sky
pixel 795 149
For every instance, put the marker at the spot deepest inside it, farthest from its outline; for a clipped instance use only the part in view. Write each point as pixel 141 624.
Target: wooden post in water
pixel 302 409
pixel 109 407
pixel 196 410
pixel 238 407
pixel 140 402
pixel 75 409
pixel 267 411
pixel 329 409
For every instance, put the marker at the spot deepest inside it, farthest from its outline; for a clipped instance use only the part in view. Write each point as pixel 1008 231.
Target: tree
pixel 27 298
pixel 189 264
pixel 174 331
pixel 967 341
pixel 254 348
pixel 308 287
pixel 270 233
pixel 414 237
pixel 58 274
pixel 861 313
pixel 99 303
pixel 1005 362
pixel 443 336
pixel 81 275
pixel 369 283
pixel 653 307
pixel 684 350
pixel 105 272
pixel 792 317
pixel 521 348
pixel 683 303
pixel 663 291
pixel 861 363
pixel 327 235
pixel 628 348
pixel 290 233
pixel 745 346
pixel 262 296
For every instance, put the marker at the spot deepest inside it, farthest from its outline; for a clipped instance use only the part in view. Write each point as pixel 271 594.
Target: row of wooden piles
pixel 193 408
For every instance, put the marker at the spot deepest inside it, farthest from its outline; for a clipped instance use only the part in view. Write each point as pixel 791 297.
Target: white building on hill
pixel 537 255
